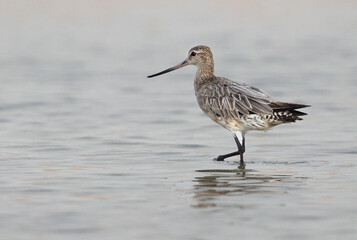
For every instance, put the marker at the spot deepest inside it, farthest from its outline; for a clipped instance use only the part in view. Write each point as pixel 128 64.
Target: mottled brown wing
pixel 226 98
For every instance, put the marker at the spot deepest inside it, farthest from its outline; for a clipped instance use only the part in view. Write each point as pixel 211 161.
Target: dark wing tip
pixel 301 106
pixel 298 113
pixel 286 106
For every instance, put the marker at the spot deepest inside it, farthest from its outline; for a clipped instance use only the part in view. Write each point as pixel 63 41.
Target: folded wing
pixel 226 98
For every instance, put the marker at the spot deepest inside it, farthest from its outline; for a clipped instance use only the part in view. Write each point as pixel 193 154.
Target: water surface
pixel 91 148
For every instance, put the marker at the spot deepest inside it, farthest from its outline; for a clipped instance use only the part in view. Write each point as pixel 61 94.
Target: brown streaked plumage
pixel 235 106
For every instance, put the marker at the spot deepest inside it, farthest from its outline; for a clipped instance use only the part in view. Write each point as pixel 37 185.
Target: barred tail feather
pixel 287 112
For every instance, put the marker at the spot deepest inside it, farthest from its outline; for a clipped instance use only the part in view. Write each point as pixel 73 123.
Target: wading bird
pixel 235 106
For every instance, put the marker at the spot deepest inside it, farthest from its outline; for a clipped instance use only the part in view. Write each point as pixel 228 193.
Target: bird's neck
pixel 204 73
pixel 203 76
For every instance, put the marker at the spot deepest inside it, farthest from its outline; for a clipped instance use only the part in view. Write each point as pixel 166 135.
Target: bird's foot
pixel 241 165
pixel 219 158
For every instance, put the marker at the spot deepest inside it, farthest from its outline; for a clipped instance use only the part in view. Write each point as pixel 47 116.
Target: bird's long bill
pixel 184 63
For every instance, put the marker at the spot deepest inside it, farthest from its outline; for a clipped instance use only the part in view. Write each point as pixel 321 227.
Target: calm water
pixel 92 149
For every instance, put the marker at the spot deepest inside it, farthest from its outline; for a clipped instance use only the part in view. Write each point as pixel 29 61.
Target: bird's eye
pixel 193 54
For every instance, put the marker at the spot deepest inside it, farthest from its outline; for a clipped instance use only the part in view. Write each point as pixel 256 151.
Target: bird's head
pixel 200 56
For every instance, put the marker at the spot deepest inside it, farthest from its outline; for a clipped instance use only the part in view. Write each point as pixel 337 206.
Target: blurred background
pixel 91 148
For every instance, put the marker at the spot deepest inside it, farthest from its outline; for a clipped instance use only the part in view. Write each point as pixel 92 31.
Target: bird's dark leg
pixel 241 148
pixel 222 157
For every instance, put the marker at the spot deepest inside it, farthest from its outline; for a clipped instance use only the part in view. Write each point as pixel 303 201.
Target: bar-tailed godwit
pixel 235 106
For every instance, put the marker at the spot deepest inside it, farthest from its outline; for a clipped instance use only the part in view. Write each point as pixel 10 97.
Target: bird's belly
pixel 243 123
pixel 256 122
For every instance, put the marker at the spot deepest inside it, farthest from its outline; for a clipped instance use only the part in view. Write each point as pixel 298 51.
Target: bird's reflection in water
pixel 213 188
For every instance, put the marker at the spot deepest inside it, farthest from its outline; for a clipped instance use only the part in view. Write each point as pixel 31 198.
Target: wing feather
pixel 226 98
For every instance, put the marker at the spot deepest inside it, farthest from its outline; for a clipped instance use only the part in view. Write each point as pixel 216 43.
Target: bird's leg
pixel 243 144
pixel 240 145
pixel 222 157
pixel 241 149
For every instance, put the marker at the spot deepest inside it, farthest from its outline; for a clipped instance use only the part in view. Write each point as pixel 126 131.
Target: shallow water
pixel 92 149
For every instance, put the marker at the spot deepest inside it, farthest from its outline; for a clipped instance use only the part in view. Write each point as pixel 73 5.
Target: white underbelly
pixel 244 123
